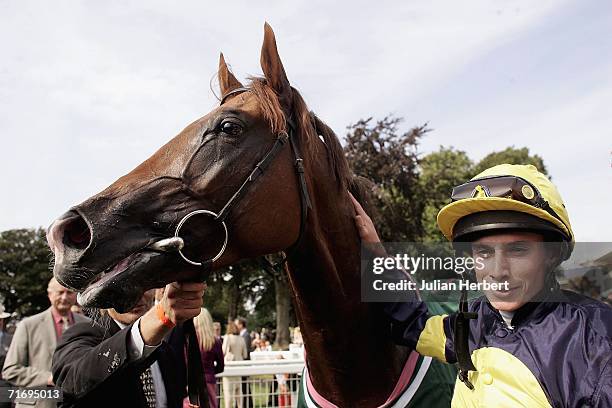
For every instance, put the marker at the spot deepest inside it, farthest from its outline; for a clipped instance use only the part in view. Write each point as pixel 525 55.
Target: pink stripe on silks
pixel 317 398
pixel 400 386
pixel 404 379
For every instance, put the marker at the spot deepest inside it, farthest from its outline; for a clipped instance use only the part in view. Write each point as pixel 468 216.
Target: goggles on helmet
pixel 511 187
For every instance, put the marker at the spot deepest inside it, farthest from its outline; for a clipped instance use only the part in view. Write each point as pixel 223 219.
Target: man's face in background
pixel 238 325
pixel 60 297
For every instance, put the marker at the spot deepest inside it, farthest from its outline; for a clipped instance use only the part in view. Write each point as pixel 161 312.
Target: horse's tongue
pixel 84 296
pixel 121 266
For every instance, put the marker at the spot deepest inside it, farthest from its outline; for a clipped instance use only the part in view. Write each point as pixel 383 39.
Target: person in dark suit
pixel 244 333
pixel 132 359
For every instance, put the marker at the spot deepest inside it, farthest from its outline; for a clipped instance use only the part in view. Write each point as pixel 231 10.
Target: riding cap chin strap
pixel 461 331
pixel 198 395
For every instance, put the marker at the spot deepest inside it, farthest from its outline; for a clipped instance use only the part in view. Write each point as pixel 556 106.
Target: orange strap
pixel 161 315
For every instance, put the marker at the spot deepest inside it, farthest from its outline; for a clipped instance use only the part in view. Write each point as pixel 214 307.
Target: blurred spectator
pixel 297 336
pixel 211 352
pixel 254 338
pixel 28 361
pixel 264 334
pixel 241 323
pixel 217 327
pixel 284 394
pixel 234 349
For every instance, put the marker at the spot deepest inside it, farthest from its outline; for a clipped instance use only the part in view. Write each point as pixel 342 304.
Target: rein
pixel 197 393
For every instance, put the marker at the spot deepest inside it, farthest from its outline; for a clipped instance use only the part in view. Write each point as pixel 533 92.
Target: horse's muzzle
pixel 69 237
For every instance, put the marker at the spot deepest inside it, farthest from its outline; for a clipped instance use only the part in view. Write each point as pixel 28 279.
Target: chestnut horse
pixel 115 245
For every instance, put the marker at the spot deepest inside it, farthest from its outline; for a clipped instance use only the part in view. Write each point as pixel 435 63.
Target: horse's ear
pixel 227 80
pixel 273 68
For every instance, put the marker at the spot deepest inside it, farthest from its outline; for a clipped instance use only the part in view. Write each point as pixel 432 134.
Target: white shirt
pixel 507 316
pixel 138 350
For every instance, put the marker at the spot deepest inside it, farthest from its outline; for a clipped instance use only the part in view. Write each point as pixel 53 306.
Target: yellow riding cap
pixel 508 189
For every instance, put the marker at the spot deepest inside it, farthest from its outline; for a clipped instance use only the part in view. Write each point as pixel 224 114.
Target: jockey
pixel 532 344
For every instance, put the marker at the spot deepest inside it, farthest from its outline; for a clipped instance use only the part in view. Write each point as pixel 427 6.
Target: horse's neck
pixel 350 355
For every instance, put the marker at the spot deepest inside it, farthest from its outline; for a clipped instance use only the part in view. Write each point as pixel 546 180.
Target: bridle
pixel 196 392
pixel 176 243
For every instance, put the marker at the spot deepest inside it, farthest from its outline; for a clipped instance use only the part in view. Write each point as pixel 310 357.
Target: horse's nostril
pixel 76 233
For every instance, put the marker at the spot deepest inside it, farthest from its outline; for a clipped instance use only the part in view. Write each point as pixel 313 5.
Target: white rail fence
pixel 265 381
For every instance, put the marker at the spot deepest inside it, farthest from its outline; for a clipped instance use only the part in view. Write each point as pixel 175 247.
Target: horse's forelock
pixel 269 104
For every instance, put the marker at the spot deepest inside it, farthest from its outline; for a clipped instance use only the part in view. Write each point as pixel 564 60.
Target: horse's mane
pixel 308 125
pixel 315 135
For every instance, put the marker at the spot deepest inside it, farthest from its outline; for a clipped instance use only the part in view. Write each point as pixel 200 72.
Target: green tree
pixel 440 171
pixel 408 191
pixel 229 289
pixel 24 270
pixel 388 158
pixel 280 305
pixel 261 295
pixel 510 155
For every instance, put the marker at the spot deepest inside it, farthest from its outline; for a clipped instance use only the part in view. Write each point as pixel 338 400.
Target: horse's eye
pixel 231 128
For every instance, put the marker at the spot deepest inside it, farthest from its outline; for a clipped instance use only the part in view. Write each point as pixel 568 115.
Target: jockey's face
pixel 519 258
pixel 143 305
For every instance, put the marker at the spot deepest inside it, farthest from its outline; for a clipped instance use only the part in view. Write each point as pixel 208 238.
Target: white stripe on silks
pixel 309 402
pixel 403 401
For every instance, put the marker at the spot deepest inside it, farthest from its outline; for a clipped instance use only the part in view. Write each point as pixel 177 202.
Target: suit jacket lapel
pixel 49 330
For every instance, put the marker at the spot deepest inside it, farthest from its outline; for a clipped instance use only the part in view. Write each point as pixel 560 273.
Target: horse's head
pixel 108 247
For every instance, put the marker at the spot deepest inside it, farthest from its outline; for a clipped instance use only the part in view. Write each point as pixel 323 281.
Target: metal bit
pixel 172 244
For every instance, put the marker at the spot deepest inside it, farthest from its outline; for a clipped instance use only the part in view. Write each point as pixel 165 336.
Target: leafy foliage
pixel 440 172
pixel 410 190
pixel 510 155
pixel 24 270
pixel 379 152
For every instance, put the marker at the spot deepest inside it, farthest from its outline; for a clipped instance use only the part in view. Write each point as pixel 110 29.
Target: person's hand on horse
pixel 367 231
pixel 364 223
pixel 181 301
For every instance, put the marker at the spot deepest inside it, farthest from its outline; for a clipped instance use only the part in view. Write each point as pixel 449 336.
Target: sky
pixel 88 90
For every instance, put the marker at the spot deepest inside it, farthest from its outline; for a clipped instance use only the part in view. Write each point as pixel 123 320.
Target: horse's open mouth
pixel 116 286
